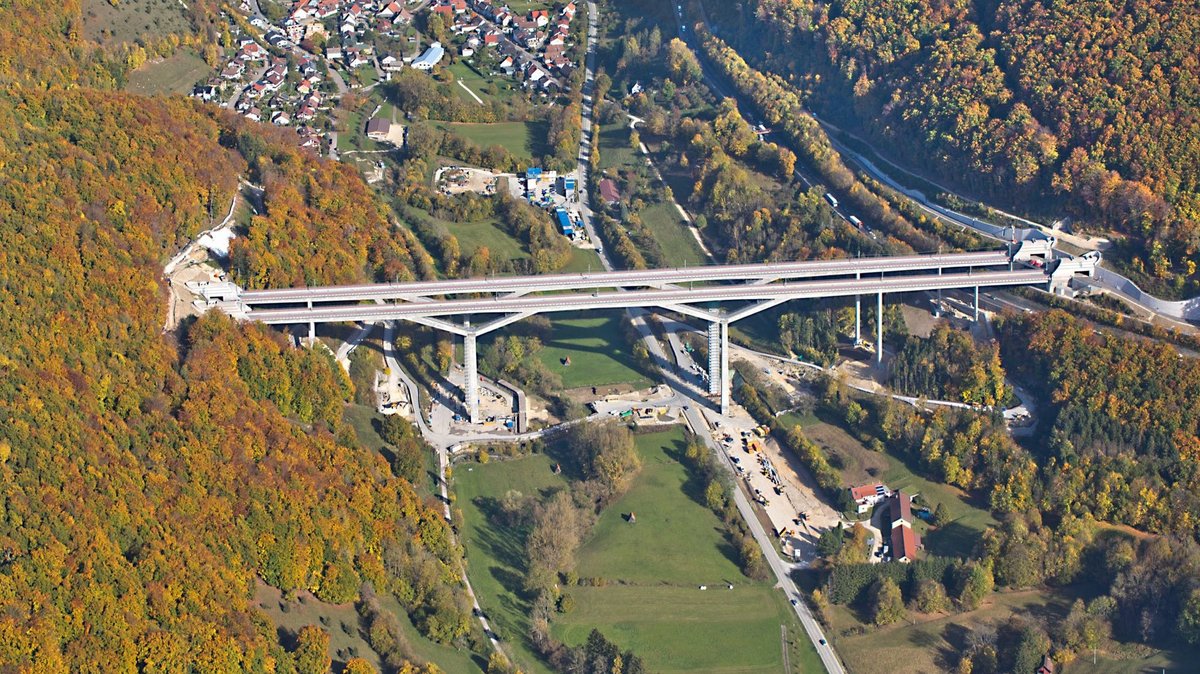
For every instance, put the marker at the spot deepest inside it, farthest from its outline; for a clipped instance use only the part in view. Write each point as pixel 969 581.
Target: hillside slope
pixel 1090 107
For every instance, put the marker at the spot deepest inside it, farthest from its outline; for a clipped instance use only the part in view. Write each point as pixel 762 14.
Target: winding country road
pixel 1114 282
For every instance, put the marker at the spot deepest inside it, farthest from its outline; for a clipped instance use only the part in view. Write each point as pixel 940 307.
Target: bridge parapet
pixel 1030 249
pixel 1065 269
pixel 214 292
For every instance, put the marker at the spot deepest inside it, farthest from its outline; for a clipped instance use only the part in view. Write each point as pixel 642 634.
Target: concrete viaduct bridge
pixel 698 291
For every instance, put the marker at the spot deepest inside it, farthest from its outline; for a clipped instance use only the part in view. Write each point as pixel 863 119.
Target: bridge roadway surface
pixel 614 279
pixel 647 298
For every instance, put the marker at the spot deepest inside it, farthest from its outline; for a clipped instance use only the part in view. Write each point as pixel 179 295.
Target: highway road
pixel 617 279
pixel 1182 312
pixel 670 298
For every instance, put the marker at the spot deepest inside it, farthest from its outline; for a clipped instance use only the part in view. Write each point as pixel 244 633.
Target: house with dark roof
pixel 378 128
pixel 608 192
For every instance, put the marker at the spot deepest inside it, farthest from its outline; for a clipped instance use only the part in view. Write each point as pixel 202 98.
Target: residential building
pixel 609 193
pixel 377 128
pixel 905 541
pixel 866 496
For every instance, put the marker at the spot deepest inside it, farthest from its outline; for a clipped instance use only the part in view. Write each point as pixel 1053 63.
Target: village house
pixel 390 63
pixel 390 10
pixel 377 128
pixel 608 192
pixel 866 496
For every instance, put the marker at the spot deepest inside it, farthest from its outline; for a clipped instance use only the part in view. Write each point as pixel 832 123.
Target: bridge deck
pixel 613 279
pixel 646 298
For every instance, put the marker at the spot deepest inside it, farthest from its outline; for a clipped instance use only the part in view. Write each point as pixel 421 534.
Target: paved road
pixel 1113 282
pixel 525 53
pixel 657 278
pixel 231 104
pixel 298 50
pixel 678 299
pixel 583 163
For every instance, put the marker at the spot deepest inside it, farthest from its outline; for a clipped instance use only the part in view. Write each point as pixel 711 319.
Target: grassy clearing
pixel 652 603
pixel 615 151
pixel 598 352
pixel 524 6
pixel 340 620
pixel 363 419
pixel 474 235
pixel 484 86
pixel 965 518
pixel 176 74
pixel 672 233
pixel 526 140
pixel 617 550
pixel 494 553
pixel 1181 660
pixel 583 260
pixel 131 19
pixel 451 660
pixel 805 419
pixel 934 645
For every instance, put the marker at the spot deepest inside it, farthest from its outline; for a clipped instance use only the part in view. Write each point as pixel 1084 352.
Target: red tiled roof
pixel 904 542
pixel 865 491
pixel 608 191
pixel 901 507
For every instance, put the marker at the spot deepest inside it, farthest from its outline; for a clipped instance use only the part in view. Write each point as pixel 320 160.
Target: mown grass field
pixel 599 355
pixel 525 140
pixel 672 233
pixel 494 552
pixel 651 603
pixel 653 568
pixel 176 74
pixel 617 549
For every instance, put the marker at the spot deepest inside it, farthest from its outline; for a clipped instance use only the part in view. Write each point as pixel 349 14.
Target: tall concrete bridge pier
pixel 720 295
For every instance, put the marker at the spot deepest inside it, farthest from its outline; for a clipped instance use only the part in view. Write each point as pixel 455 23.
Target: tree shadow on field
pixel 693 487
pixel 953 539
pixel 955 635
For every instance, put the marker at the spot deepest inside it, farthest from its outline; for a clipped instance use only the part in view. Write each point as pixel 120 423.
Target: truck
pixel 856 222
pixel 831 199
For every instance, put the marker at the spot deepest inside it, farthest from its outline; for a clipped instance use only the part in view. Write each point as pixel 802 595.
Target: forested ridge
pixel 1124 420
pixel 1093 103
pixel 148 479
